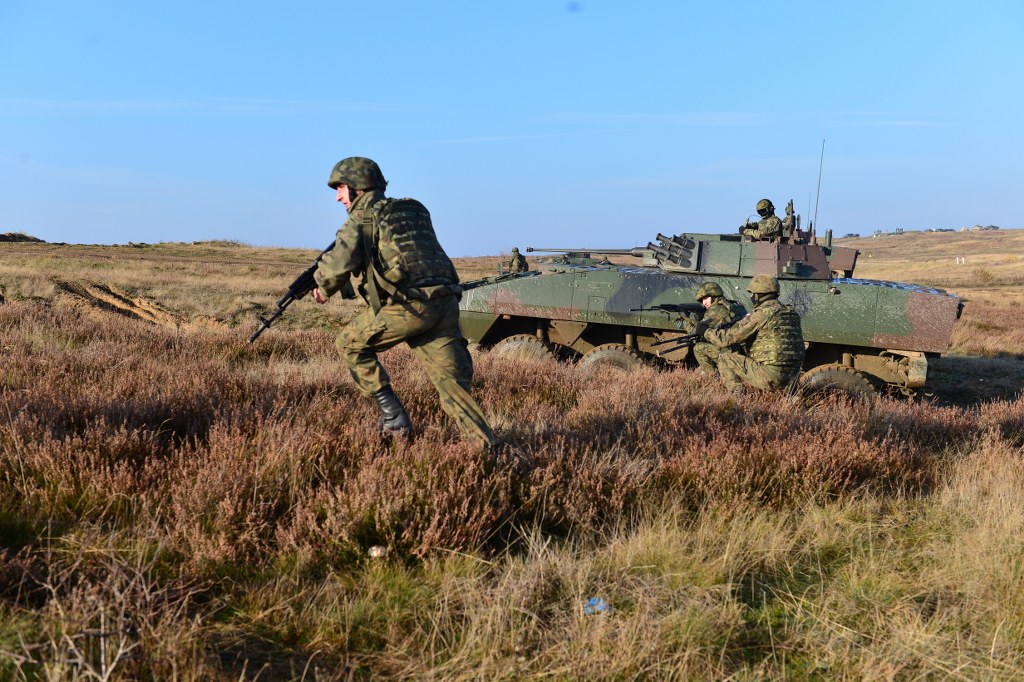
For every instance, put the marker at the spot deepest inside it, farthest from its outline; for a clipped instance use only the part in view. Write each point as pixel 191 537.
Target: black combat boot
pixel 394 420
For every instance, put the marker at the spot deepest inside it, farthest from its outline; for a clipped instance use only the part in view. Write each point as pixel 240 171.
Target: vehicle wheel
pixel 610 356
pixel 829 379
pixel 522 346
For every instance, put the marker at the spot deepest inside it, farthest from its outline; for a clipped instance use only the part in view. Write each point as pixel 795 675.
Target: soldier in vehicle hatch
pixel 719 314
pixel 517 263
pixel 768 228
pixel 774 338
pixel 413 294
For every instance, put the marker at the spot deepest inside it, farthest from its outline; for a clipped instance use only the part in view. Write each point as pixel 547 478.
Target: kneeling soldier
pixel 719 314
pixel 771 332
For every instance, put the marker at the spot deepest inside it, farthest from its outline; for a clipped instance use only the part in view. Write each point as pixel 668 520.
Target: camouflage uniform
pixel 766 228
pixel 775 340
pixel 789 222
pixel 426 317
pixel 769 227
pixel 721 314
pixel 517 263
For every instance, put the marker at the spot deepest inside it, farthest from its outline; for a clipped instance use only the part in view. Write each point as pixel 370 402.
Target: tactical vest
pixel 404 258
pixel 780 341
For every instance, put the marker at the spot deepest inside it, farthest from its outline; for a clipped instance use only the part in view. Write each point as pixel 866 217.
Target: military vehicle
pixel 860 334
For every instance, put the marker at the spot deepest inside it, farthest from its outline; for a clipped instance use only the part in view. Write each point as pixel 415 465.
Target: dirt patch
pixel 107 298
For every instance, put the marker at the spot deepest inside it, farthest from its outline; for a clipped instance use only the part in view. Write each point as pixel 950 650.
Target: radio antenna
pixel 820 164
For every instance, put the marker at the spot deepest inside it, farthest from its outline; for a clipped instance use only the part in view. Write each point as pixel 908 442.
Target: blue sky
pixel 534 123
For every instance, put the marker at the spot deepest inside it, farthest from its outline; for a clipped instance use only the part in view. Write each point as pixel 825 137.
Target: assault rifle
pixel 680 308
pixel 679 341
pixel 302 285
pixel 687 339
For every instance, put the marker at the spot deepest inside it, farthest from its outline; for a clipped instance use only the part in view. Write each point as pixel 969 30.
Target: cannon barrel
pixel 637 251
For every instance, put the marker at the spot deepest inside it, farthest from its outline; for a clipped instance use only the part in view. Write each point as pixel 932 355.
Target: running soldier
pixel 413 294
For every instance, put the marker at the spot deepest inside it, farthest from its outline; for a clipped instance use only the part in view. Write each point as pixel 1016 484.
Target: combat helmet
pixel 515 250
pixel 764 207
pixel 708 289
pixel 357 172
pixel 763 284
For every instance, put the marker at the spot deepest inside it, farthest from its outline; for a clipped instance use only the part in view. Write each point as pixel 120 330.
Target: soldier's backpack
pixel 404 256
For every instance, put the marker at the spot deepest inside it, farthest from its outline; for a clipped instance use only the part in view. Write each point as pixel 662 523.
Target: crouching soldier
pixel 719 313
pixel 774 338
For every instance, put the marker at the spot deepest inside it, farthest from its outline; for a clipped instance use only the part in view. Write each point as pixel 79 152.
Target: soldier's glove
pixel 347 292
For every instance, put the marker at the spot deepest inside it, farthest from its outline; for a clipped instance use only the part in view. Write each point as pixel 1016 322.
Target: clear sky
pixel 530 123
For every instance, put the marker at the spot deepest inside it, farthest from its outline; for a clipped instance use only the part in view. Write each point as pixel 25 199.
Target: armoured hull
pixel 884 330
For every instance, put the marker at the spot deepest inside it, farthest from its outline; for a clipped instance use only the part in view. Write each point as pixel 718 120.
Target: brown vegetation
pixel 175 504
pixel 944 259
pixel 986 356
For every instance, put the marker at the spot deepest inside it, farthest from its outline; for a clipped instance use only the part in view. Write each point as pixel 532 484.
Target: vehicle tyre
pixel 824 380
pixel 610 356
pixel 522 346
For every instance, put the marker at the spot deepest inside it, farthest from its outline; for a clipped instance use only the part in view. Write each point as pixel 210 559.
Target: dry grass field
pixel 986 269
pixel 176 504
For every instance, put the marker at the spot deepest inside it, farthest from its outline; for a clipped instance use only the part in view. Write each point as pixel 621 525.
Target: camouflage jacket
pixel 722 313
pixel 772 332
pixel 788 223
pixel 347 257
pixel 434 277
pixel 767 228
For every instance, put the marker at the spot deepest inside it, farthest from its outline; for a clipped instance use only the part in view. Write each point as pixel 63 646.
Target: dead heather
pixel 177 504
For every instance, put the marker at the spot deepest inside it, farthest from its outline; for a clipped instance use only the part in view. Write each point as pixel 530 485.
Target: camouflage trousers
pixel 737 369
pixel 431 328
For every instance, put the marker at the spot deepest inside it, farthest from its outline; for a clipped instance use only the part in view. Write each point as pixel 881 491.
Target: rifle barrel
pixel 666 351
pixel 266 322
pixel 302 285
pixel 681 340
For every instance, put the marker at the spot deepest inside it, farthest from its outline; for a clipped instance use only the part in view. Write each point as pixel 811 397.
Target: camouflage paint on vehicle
pixel 886 330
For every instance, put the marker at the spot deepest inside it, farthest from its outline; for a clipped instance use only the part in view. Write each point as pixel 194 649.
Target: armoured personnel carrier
pixel 860 334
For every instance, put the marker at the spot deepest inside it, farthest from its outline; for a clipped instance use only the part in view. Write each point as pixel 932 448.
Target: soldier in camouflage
pixel 773 336
pixel 789 222
pixel 719 314
pixel 517 263
pixel 420 309
pixel 768 228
